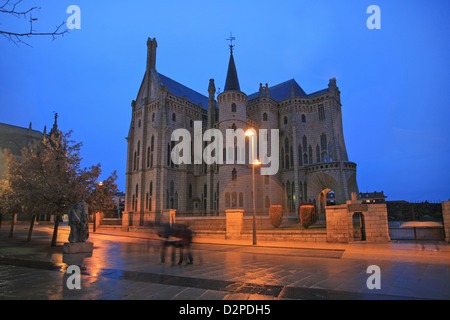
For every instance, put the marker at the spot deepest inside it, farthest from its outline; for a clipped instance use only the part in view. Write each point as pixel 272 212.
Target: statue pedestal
pixel 78 247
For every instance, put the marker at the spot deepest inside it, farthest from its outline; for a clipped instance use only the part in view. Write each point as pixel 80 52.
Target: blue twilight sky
pixel 393 81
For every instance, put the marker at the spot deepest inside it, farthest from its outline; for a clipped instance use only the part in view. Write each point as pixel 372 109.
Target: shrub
pixel 307 214
pixel 276 215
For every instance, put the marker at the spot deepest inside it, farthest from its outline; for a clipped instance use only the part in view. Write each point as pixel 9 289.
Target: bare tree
pixel 11 8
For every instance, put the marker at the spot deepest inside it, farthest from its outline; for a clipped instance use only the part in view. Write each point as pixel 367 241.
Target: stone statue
pixel 79 222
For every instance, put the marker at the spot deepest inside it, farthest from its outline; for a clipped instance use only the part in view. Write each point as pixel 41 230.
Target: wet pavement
pixel 127 266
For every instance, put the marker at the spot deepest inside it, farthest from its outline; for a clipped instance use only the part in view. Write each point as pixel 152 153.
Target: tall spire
pixel 232 82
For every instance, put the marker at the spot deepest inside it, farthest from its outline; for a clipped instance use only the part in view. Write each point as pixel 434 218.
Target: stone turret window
pixel 174 117
pixel 234 174
pixel 233 107
pixel 303 118
pixel 265 117
pixel 285 120
pixel 321 113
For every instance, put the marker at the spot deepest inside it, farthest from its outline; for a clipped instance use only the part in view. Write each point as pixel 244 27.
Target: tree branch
pixel 16 37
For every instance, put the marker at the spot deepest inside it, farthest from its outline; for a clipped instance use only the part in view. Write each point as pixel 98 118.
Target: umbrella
pixel 421 224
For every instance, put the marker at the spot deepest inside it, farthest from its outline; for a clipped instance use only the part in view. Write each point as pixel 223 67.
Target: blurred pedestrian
pixel 185 234
pixel 166 232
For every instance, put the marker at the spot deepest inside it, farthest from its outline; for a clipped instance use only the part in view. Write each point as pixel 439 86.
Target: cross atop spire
pixel 231 39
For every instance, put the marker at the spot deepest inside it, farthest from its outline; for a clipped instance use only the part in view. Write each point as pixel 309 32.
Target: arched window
pixel 317 154
pixel 172 188
pixel 285 120
pixel 234 199
pixel 135 161
pixel 148 157
pixel 174 117
pixel 310 154
pixel 175 205
pixel 151 188
pixel 293 196
pixel 233 107
pixel 139 148
pixel 267 202
pixel 234 174
pixel 167 200
pixel 324 157
pixel 265 118
pixel 303 118
pixel 323 141
pixel 305 158
pixel 305 191
pixel 153 117
pixel 330 152
pixel 305 146
pixel 286 159
pixel 191 123
pixel 299 155
pixel 152 144
pixel 150 204
pixel 300 191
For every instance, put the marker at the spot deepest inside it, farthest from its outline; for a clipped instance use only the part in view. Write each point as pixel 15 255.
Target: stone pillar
pixel 168 216
pixel 337 224
pixel 234 223
pixel 446 219
pixel 376 223
pixel 125 221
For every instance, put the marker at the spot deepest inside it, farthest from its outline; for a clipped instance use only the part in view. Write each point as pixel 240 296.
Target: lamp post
pixel 251 133
pixel 94 226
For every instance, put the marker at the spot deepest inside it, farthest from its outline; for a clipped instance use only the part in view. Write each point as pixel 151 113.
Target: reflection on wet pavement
pixel 130 268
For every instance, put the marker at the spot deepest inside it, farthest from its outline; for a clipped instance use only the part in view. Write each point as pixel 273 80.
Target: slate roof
pixel 179 90
pixel 232 82
pixel 282 91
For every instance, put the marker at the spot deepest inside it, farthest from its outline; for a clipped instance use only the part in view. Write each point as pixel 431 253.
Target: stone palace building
pixel 313 161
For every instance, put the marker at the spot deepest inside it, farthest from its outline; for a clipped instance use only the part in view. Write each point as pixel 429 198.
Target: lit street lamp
pixel 251 133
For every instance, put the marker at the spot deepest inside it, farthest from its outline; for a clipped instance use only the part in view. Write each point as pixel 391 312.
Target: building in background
pixel 14 139
pixel 313 156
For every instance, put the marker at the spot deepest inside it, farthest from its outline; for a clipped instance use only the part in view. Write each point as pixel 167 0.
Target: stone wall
pixel 446 219
pixel 374 220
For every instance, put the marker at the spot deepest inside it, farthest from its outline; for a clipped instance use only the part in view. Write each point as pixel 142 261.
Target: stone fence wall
pixel 339 224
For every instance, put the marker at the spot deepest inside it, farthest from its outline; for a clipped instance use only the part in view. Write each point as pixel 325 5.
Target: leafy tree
pixel 49 179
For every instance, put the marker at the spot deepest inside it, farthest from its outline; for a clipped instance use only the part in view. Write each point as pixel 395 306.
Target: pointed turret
pixel 232 82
